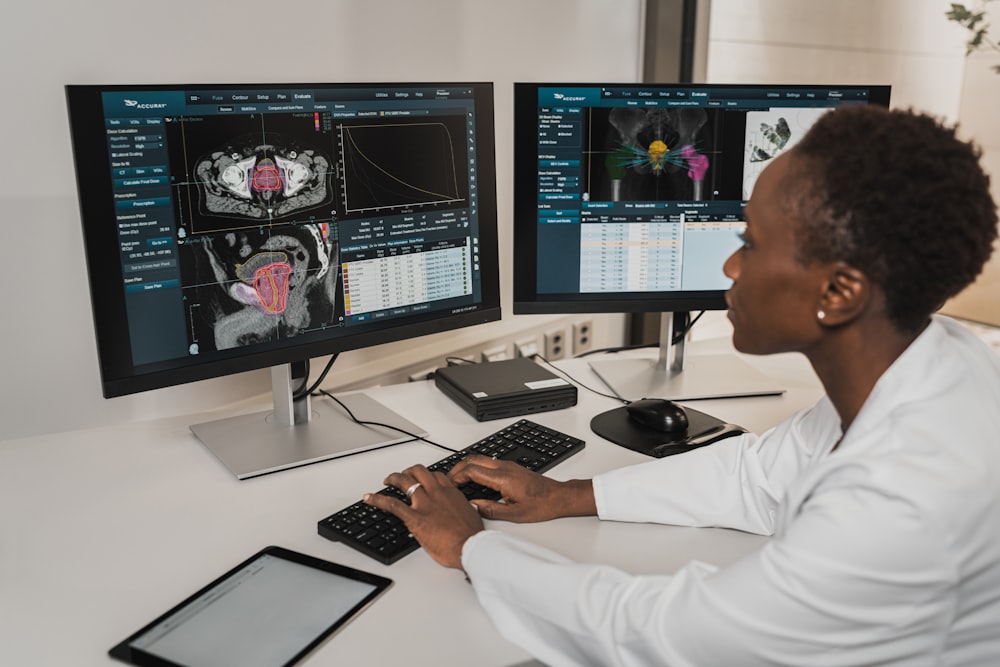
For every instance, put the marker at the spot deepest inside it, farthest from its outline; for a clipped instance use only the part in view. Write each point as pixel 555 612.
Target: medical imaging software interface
pixel 641 189
pixel 253 216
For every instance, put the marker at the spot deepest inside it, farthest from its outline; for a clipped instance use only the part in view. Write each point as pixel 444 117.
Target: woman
pixel 883 499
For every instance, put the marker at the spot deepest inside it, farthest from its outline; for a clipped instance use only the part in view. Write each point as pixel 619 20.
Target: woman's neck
pixel 850 361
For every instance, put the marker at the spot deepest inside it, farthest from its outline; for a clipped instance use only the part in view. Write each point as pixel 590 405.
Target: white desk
pixel 102 530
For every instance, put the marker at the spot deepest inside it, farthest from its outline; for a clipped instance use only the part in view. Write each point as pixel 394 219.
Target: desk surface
pixel 102 530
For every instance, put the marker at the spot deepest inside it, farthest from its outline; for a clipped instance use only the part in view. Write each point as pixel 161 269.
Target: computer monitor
pixel 629 198
pixel 233 227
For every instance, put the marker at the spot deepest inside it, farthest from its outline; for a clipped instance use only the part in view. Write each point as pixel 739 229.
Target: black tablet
pixel 268 611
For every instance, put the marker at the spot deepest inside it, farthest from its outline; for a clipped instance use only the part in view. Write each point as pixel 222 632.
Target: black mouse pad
pixel 703 429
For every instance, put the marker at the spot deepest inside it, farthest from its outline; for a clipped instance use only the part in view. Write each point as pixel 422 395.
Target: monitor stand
pixel 673 377
pixel 298 433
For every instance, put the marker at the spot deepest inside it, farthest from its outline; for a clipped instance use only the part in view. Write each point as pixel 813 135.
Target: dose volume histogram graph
pixel 399 164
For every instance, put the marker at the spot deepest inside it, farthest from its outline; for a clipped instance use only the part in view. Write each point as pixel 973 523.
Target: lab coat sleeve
pixel 734 483
pixel 828 592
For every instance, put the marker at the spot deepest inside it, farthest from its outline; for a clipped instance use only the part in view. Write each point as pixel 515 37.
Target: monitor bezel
pixel 526 298
pixel 119 376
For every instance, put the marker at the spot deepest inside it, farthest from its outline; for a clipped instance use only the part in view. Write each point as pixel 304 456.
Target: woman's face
pixel 774 299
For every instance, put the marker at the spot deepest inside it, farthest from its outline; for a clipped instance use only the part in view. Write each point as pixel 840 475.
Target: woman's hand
pixel 527 496
pixel 442 519
pixel 439 515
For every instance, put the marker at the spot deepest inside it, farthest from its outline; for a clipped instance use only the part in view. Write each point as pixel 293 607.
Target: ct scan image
pixel 257 232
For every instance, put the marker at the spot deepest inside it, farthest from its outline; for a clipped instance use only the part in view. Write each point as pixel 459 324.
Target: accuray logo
pixel 144 105
pixel 569 98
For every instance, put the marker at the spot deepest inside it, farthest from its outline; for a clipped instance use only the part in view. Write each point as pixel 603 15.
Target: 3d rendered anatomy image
pixel 770 140
pixel 769 134
pixel 649 154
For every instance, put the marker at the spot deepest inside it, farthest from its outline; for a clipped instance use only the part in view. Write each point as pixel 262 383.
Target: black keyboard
pixel 383 537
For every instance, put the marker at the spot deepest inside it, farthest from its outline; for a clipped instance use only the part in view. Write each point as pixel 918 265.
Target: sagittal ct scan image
pixel 257 235
pixel 252 286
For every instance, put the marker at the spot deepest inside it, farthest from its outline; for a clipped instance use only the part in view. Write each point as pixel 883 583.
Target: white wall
pixel 978 120
pixel 905 43
pixel 47 355
pixel 908 44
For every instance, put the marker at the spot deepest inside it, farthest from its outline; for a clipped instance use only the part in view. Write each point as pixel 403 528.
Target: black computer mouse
pixel 659 414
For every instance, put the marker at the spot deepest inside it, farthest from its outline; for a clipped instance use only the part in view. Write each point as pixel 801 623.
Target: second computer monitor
pixel 629 197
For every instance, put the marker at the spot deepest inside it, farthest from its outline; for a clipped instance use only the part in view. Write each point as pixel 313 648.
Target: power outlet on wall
pixel 554 344
pixel 583 336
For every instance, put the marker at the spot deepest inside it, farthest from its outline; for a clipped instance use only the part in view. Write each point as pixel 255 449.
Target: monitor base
pixel 258 444
pixel 710 376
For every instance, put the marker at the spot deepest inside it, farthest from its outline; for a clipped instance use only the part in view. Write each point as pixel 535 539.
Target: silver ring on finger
pixel 412 489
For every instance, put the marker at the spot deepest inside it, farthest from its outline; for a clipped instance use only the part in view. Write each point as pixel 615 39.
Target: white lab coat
pixel 885 551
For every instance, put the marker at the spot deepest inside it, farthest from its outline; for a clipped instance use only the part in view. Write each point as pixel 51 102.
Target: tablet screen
pixel 267 612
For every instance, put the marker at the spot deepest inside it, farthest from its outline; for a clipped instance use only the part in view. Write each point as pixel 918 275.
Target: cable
pixel 569 377
pixel 611 350
pixel 677 338
pixel 364 422
pixel 679 335
pixel 299 395
pixel 301 392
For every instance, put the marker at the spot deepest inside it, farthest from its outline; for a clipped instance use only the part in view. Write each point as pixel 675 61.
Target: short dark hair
pixel 899 196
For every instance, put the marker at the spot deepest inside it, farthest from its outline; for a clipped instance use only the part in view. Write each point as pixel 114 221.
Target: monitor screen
pixel 629 197
pixel 231 227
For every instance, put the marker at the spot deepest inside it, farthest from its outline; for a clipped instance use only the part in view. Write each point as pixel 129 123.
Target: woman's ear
pixel 846 294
